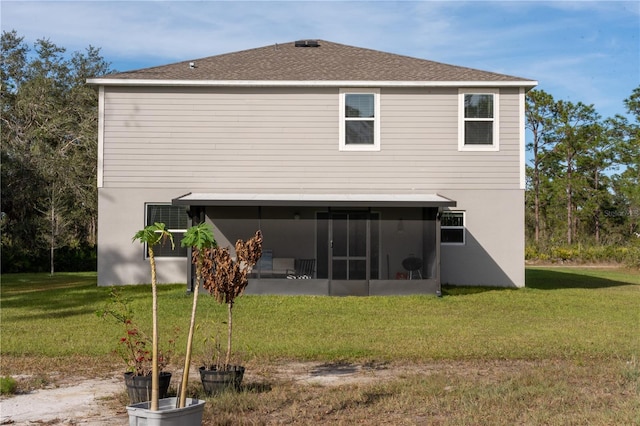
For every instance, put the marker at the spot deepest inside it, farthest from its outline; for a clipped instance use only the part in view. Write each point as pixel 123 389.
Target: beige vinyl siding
pixel 286 140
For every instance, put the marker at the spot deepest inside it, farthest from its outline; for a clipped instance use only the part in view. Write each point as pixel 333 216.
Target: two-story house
pixel 367 172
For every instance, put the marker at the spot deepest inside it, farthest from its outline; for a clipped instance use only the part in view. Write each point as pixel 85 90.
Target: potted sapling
pixel 135 349
pixel 199 238
pixel 226 279
pixel 161 412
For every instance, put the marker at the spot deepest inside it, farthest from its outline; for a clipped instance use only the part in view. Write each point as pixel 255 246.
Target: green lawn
pixel 565 350
pixel 563 313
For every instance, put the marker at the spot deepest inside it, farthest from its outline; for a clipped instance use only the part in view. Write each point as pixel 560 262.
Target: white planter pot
pixel 167 414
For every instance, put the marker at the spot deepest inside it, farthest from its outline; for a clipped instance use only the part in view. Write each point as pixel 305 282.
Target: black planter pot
pixel 139 387
pixel 216 381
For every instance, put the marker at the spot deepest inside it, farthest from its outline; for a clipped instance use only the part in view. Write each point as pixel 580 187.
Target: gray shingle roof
pixel 327 62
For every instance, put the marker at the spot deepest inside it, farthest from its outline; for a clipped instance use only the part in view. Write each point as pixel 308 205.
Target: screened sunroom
pixel 338 245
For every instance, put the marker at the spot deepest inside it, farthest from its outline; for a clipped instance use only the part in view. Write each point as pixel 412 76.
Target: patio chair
pixel 305 268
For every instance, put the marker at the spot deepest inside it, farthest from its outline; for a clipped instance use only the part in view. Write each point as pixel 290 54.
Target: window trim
pixel 172 230
pixel 495 146
pixel 343 119
pixel 463 227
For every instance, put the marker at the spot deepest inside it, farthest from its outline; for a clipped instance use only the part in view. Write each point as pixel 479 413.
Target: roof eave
pixel 313 200
pixel 309 83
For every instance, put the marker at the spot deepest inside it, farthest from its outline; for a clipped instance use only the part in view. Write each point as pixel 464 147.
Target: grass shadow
pixel 556 279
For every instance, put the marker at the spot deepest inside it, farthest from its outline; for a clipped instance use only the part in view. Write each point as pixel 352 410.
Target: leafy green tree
pixel 628 182
pixel 585 169
pixel 593 166
pixel 49 147
pixel 575 130
pixel 18 236
pixel 540 118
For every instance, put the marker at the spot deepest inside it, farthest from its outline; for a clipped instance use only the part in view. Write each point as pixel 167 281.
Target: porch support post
pixel 197 216
pixel 437 276
pixel 429 243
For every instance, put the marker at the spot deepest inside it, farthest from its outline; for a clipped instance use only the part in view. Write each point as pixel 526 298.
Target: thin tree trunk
pixel 597 212
pixel 536 201
pixel 569 216
pixel 92 231
pixel 187 360
pixel 53 235
pixel 155 372
pixel 229 333
pixel 569 202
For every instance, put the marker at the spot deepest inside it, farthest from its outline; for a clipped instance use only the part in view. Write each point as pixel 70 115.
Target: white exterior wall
pixel 493 253
pixel 162 142
pixel 121 214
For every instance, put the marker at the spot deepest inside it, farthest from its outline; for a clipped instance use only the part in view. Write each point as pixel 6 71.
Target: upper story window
pixel 176 220
pixel 478 120
pixel 360 120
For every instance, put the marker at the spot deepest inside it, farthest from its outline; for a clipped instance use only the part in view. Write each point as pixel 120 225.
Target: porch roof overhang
pixel 313 200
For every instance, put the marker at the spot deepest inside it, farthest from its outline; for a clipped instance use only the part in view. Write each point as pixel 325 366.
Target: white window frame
pixel 172 230
pixel 343 146
pixel 495 146
pixel 463 227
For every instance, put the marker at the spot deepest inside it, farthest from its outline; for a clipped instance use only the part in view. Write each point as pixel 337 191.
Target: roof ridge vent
pixel 307 43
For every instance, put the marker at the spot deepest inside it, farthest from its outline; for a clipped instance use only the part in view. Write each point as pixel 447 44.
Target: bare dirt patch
pixel 493 392
pixel 85 401
pixel 77 401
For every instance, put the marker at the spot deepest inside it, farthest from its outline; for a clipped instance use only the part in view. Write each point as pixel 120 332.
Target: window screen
pixel 452 227
pixel 176 221
pixel 360 120
pixel 359 105
pixel 479 120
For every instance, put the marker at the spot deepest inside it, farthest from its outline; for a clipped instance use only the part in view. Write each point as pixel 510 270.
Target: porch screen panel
pixel 340 236
pixel 358 245
pixel 340 269
pixel 322 245
pixel 358 234
pixel 340 241
pixel 358 269
pixel 375 246
pixel 342 245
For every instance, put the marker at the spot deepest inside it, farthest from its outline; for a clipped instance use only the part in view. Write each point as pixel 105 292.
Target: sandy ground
pixel 70 404
pixel 79 402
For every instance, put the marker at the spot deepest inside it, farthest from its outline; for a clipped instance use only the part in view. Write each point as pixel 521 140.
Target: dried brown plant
pixel 225 278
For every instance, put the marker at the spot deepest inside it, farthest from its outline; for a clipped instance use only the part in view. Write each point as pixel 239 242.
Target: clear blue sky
pixel 587 51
